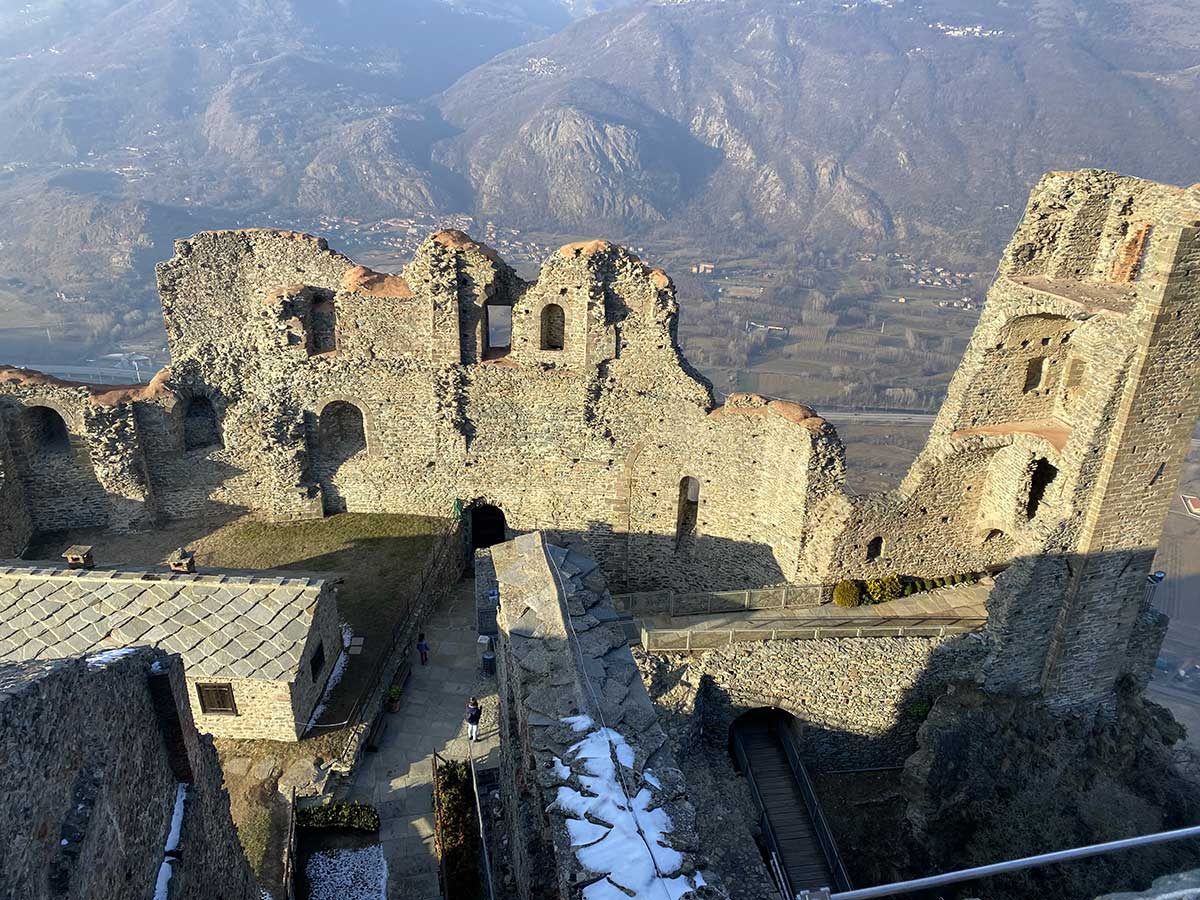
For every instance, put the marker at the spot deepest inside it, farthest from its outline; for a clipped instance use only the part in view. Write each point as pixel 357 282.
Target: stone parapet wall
pixel 590 782
pixel 91 785
pixel 858 702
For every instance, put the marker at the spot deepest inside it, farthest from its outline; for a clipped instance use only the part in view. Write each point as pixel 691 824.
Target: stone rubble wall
pixel 90 788
pixel 561 655
pixel 857 702
pixel 1084 365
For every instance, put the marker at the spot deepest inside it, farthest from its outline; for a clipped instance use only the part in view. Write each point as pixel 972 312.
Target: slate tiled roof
pixel 223 625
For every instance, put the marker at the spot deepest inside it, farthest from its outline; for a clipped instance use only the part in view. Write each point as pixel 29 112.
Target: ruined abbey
pixel 303 384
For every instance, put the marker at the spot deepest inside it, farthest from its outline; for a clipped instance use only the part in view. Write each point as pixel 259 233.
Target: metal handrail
pixel 820 825
pixel 1012 865
pixel 785 883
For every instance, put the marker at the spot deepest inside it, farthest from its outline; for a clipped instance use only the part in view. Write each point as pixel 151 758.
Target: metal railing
pixel 289 852
pixel 820 825
pixel 1012 865
pixel 686 640
pixel 703 603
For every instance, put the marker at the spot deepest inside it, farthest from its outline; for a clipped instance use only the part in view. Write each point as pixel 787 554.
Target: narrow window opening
pixel 1043 475
pixel 317 663
pixel 554 322
pixel 1035 374
pixel 201 427
pixel 216 699
pixel 322 327
pixel 689 508
pixel 48 430
pixel 1158 474
pixel 497 330
pixel 874 548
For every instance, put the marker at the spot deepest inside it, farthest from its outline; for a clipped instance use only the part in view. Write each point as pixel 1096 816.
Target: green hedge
pixel 849 593
pixel 348 816
pixel 456 830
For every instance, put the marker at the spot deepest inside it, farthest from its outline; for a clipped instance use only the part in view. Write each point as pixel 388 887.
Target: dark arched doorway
pixel 47 430
pixel 487 526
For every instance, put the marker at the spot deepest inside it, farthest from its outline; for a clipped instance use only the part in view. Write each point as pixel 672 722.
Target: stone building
pixel 109 791
pixel 257 648
pixel 303 384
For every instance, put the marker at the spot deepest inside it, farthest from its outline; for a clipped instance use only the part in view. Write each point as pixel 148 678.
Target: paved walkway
pixel 398 779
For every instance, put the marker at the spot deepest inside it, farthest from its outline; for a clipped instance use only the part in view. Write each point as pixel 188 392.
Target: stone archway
pixel 488 526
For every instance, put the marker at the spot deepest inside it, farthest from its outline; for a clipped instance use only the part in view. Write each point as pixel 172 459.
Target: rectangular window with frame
pixel 216 699
pixel 317 663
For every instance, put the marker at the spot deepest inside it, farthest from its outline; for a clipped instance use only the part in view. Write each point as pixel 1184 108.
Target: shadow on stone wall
pixel 977 777
pixel 651 562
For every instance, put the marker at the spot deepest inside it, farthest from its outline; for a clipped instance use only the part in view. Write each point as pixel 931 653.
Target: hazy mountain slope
pixel 861 122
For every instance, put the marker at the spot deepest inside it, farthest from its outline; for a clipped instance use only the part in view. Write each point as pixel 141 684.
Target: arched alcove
pixel 488 526
pixel 689 508
pixel 47 430
pixel 201 425
pixel 554 323
pixel 341 433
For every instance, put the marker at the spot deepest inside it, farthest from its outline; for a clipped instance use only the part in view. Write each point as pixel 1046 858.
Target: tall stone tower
pixel 1082 378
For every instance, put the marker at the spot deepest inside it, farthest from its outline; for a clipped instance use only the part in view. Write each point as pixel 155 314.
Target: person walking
pixel 473 713
pixel 423 648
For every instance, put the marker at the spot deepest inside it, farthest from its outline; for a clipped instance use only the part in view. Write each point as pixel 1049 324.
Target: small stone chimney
pixel 183 560
pixel 79 556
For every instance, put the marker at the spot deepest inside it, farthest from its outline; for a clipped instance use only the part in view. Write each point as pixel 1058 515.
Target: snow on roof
pixel 616 835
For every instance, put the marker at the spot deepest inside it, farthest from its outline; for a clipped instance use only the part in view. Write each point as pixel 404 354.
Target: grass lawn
pixel 377 556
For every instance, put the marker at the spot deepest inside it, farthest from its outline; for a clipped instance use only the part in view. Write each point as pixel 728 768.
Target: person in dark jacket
pixel 473 713
pixel 423 648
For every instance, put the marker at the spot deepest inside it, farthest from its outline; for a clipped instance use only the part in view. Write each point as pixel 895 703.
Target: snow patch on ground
pixel 614 835
pixel 339 669
pixel 348 874
pixel 162 884
pixel 176 818
pixel 99 660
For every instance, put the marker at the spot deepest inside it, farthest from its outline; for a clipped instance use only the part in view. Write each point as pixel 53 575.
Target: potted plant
pixel 393 698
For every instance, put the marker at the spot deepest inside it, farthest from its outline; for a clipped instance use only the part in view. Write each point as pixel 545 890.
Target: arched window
pixel 993 534
pixel 201 427
pixel 689 508
pixel 874 548
pixel 340 432
pixel 1043 474
pixel 554 323
pixel 322 327
pixel 47 430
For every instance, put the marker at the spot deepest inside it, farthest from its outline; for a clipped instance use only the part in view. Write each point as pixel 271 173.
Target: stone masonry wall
pixel 858 702
pixel 587 771
pixel 1079 382
pixel 90 786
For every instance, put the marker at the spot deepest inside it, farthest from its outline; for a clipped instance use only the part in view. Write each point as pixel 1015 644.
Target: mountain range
pixel 841 124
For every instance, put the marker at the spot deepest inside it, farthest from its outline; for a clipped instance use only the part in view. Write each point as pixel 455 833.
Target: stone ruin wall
pixel 71 737
pixel 1083 364
pixel 565 673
